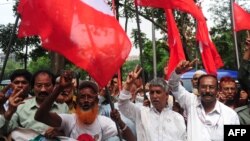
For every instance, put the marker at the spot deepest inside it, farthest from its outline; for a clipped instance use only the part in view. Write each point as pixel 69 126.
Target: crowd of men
pixel 61 109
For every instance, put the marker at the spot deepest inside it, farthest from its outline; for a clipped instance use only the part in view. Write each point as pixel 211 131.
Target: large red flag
pixel 84 31
pixel 175 45
pixel 241 18
pixel 188 6
pixel 210 57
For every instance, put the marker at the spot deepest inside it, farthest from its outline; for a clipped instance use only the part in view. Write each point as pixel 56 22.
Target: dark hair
pixel 21 72
pixel 207 75
pixel 51 75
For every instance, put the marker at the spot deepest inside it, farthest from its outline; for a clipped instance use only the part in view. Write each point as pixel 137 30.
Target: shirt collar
pixel 216 107
pixel 164 109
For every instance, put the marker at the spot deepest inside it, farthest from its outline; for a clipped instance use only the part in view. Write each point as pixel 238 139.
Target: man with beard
pixel 21 115
pixel 206 115
pixel 156 123
pixel 229 89
pixel 86 119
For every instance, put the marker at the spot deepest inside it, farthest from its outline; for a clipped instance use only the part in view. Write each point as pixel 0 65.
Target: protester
pixel 86 119
pixel 20 79
pixel 206 115
pixel 158 123
pixel 244 79
pixel 21 115
pixel 228 88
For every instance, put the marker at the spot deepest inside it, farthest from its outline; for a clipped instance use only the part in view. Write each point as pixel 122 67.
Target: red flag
pixel 188 6
pixel 84 31
pixel 175 45
pixel 210 57
pixel 241 18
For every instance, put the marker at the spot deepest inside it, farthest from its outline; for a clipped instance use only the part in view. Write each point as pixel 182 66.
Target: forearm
pixel 126 107
pixel 126 132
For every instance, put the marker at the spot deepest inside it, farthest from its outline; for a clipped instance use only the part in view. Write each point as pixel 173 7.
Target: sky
pixel 7 16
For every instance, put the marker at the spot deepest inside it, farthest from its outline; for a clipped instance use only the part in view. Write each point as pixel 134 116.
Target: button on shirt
pixel 24 116
pixel 150 124
pixel 202 126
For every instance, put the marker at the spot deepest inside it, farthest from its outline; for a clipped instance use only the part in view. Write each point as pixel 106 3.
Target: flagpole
pixel 140 47
pixel 154 47
pixel 115 7
pixel 234 35
pixel 9 45
pixel 112 108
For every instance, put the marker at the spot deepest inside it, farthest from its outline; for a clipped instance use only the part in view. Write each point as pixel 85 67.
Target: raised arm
pixel 43 113
pixel 128 108
pixel 179 92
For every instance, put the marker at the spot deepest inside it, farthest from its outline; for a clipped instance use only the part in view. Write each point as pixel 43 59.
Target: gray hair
pixel 159 82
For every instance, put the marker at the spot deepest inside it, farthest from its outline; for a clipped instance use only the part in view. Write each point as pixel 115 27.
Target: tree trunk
pixel 57 62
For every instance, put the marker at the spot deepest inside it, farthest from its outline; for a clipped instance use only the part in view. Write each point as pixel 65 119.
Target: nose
pixel 43 88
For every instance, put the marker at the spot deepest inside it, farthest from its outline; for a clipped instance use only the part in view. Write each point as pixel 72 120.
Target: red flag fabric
pixel 210 57
pixel 188 6
pixel 84 31
pixel 175 45
pixel 241 18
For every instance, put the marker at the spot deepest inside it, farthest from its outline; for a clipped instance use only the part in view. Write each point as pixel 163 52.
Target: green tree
pixel 41 63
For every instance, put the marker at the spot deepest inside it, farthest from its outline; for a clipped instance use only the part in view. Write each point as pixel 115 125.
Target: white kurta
pixel 152 125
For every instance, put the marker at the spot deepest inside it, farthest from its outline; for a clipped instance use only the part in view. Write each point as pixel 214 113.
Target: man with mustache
pixel 86 119
pixel 22 112
pixel 206 115
pixel 156 123
pixel 228 87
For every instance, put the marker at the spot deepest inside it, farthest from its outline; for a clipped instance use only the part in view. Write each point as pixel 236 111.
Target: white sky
pixel 7 16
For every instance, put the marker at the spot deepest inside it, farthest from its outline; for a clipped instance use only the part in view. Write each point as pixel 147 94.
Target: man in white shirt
pixel 158 123
pixel 206 115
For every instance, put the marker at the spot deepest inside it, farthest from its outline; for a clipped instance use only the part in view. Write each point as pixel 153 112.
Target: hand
pixel 52 133
pixel 146 103
pixel 184 66
pixel 132 77
pixel 15 100
pixel 115 115
pixel 66 79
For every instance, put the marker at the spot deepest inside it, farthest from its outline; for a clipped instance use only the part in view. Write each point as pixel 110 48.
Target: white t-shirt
pixel 101 129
